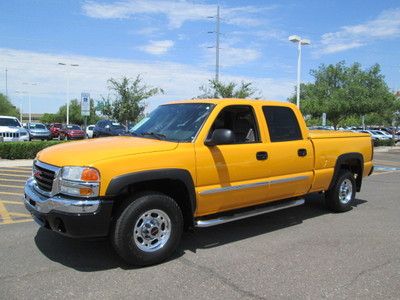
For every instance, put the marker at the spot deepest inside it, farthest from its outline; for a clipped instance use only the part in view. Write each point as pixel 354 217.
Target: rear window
pixel 282 124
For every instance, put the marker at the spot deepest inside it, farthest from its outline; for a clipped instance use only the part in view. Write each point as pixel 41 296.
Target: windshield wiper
pixel 157 135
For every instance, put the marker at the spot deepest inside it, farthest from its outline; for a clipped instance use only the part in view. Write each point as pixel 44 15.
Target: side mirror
pixel 220 137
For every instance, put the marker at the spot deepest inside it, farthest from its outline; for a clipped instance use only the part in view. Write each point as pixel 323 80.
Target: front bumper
pixel 76 137
pixel 73 217
pixel 40 136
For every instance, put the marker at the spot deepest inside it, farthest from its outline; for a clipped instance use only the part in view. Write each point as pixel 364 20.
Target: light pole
pixel 20 105
pixel 29 98
pixel 68 74
pixel 300 42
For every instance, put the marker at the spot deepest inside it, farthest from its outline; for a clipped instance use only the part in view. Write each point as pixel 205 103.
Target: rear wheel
pixel 341 196
pixel 148 230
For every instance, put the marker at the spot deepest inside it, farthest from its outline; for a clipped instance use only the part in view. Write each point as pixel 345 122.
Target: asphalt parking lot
pixel 302 252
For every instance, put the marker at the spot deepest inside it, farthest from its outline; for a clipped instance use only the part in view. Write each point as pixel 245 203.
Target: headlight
pixel 80 181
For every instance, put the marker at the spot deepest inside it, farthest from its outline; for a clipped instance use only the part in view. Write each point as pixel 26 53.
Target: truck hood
pixel 86 152
pixel 11 129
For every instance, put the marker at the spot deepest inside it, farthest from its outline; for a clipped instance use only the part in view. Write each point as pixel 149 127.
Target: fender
pixel 342 160
pixel 118 183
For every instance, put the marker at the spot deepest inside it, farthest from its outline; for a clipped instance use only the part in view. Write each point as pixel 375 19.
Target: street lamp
pixel 20 106
pixel 300 42
pixel 29 97
pixel 68 74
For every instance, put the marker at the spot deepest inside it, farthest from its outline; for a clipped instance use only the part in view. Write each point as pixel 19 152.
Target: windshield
pixel 174 122
pixel 117 126
pixel 37 126
pixel 73 127
pixel 9 122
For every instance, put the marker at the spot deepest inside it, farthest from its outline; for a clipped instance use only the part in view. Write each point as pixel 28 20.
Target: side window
pixel 241 120
pixel 282 124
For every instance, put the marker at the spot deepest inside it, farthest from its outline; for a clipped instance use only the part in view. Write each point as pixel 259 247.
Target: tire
pixel 148 230
pixel 341 196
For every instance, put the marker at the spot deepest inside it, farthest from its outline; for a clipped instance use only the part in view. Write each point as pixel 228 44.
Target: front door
pixel 235 175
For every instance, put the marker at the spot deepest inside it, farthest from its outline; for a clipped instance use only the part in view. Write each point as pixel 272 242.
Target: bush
pixel 23 150
pixel 383 143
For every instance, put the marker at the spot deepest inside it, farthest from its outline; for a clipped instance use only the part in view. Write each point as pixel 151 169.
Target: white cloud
pixel 158 47
pixel 180 81
pixel 232 56
pixel 177 12
pixel 385 26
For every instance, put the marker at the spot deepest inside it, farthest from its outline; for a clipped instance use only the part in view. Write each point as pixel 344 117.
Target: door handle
pixel 262 155
pixel 302 152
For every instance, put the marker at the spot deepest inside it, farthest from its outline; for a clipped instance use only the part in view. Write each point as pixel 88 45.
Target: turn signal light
pixel 85 191
pixel 90 174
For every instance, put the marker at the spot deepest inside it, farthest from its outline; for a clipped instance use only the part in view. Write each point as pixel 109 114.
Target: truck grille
pixel 44 177
pixel 10 134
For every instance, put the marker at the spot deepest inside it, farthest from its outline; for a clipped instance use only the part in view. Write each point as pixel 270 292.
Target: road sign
pixel 324 119
pixel 85 104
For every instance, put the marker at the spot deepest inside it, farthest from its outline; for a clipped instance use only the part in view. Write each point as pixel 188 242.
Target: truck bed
pixel 327 134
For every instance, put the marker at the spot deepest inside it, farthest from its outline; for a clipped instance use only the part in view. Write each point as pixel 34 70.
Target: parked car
pixel 375 136
pixel 387 134
pixel 105 128
pixel 11 130
pixel 71 132
pixel 38 131
pixel 89 131
pixel 195 163
pixel 55 128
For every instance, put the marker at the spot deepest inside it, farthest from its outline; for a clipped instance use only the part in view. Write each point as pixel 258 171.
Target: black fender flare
pixel 117 184
pixel 342 160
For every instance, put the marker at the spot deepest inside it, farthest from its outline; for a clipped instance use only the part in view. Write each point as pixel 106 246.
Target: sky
pixel 171 44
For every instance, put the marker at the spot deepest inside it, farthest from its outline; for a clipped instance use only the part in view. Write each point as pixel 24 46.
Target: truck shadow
pixel 98 255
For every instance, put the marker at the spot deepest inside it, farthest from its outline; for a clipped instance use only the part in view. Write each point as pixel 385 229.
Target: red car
pixel 54 129
pixel 71 132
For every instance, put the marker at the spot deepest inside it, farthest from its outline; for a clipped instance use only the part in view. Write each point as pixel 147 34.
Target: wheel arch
pixel 353 162
pixel 176 183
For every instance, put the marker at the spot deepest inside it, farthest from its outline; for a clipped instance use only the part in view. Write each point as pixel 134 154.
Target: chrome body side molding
pixel 252 185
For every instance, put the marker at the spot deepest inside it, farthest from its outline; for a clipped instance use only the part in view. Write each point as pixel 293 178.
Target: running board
pixel 242 215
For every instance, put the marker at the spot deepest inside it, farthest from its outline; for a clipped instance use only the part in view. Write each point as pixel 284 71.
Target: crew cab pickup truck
pixel 194 163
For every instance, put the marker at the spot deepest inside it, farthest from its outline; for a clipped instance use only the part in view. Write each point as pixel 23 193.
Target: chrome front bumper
pixel 43 204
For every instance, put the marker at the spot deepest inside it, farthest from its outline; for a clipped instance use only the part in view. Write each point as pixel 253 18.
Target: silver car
pixel 38 131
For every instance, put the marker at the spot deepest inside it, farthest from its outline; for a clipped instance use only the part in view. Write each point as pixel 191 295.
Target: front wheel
pixel 341 196
pixel 148 230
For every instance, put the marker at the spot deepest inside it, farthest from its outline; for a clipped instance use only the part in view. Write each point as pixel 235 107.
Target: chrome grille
pixel 10 134
pixel 44 177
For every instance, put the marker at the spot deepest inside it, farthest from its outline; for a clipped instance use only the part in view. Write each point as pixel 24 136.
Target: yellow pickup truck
pixel 195 163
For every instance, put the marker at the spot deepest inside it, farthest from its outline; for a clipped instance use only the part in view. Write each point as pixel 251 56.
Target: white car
pixel 89 131
pixel 11 130
pixel 376 135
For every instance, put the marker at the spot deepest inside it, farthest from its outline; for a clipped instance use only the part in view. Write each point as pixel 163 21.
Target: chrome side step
pixel 242 215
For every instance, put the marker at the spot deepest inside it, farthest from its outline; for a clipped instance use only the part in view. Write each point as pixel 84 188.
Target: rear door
pixel 290 154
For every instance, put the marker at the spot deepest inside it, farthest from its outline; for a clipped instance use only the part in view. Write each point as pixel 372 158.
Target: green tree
pixel 341 92
pixel 6 107
pixel 217 89
pixel 75 116
pixel 51 118
pixel 128 103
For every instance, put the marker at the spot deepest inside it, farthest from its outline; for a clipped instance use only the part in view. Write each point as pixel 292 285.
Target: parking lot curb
pixel 16 162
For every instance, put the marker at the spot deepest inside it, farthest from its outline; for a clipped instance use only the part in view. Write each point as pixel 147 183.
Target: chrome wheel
pixel 345 191
pixel 152 230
